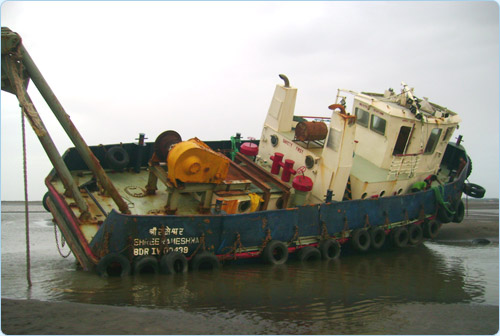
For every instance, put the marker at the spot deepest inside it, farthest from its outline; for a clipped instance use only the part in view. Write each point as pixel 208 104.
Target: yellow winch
pixel 192 161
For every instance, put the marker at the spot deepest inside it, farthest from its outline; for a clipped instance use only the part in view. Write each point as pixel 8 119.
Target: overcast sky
pixel 208 69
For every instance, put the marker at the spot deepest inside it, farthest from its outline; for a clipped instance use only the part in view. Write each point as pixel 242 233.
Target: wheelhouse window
pixel 377 124
pixel 402 141
pixel 362 117
pixel 433 141
pixel 448 133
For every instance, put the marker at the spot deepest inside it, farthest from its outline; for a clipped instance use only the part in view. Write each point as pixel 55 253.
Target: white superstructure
pixel 385 144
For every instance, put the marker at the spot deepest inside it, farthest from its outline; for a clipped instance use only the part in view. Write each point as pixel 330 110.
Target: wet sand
pixel 37 317
pixel 66 318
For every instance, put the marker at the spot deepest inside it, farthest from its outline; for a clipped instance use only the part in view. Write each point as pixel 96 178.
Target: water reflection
pixel 356 284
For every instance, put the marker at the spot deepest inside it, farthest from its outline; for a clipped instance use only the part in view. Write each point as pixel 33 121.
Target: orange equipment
pixel 192 161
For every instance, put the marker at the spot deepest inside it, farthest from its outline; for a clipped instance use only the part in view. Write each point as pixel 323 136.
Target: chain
pixel 62 243
pixel 295 237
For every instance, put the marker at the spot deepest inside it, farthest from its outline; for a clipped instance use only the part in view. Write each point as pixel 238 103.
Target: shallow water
pixel 360 286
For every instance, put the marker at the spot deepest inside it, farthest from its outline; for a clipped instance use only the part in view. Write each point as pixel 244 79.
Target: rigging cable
pixel 25 171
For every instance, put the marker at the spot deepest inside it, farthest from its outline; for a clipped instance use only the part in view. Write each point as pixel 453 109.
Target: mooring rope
pixel 439 192
pixel 27 221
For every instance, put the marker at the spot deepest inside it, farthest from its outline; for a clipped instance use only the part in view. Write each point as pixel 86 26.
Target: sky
pixel 208 69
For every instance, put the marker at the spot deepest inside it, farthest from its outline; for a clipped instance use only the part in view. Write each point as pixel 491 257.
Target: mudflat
pixel 32 317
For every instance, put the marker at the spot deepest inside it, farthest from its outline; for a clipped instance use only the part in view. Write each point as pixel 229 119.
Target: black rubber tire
pixel 309 253
pixel 469 170
pixel 145 264
pixel 377 237
pixel 459 215
pixel 113 264
pixel 415 234
pixel 474 190
pixel 205 261
pixel 173 263
pixel 329 248
pixel 443 215
pixel 431 228
pixel 44 201
pixel 400 236
pixel 117 158
pixel 360 240
pixel 275 253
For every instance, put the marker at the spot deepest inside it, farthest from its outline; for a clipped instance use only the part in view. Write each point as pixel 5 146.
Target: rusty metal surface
pixel 259 183
pixel 263 175
pixel 10 41
pixel 311 131
pixel 10 48
pixel 163 143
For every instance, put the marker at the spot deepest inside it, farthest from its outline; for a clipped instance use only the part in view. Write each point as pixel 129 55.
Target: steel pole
pixel 37 124
pixel 65 121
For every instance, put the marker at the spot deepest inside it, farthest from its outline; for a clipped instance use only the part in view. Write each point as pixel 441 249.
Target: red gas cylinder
pixel 249 149
pixel 302 183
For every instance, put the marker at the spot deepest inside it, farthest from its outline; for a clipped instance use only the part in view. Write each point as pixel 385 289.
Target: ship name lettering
pixel 143 251
pixel 155 231
pixel 145 242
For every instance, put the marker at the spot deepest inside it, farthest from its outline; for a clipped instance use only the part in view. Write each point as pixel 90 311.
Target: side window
pixel 433 141
pixel 448 133
pixel 362 117
pixel 377 124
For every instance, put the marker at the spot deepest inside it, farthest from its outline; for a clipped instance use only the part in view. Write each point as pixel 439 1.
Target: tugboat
pixel 383 173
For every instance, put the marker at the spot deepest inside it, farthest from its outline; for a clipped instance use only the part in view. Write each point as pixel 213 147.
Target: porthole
pixel 309 161
pixel 382 193
pixel 400 191
pixel 274 140
pixel 243 206
pixel 363 196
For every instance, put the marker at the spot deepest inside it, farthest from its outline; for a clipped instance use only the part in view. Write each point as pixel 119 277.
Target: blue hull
pixel 243 235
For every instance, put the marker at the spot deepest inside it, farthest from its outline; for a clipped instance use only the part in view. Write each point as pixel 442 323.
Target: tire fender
pixel 173 262
pixel 45 200
pixel 146 264
pixel 113 264
pixel 329 248
pixel 275 253
pixel 415 234
pixel 458 217
pixel 377 237
pixel 360 240
pixel 400 236
pixel 443 215
pixel 474 190
pixel 431 228
pixel 117 158
pixel 309 253
pixel 205 261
